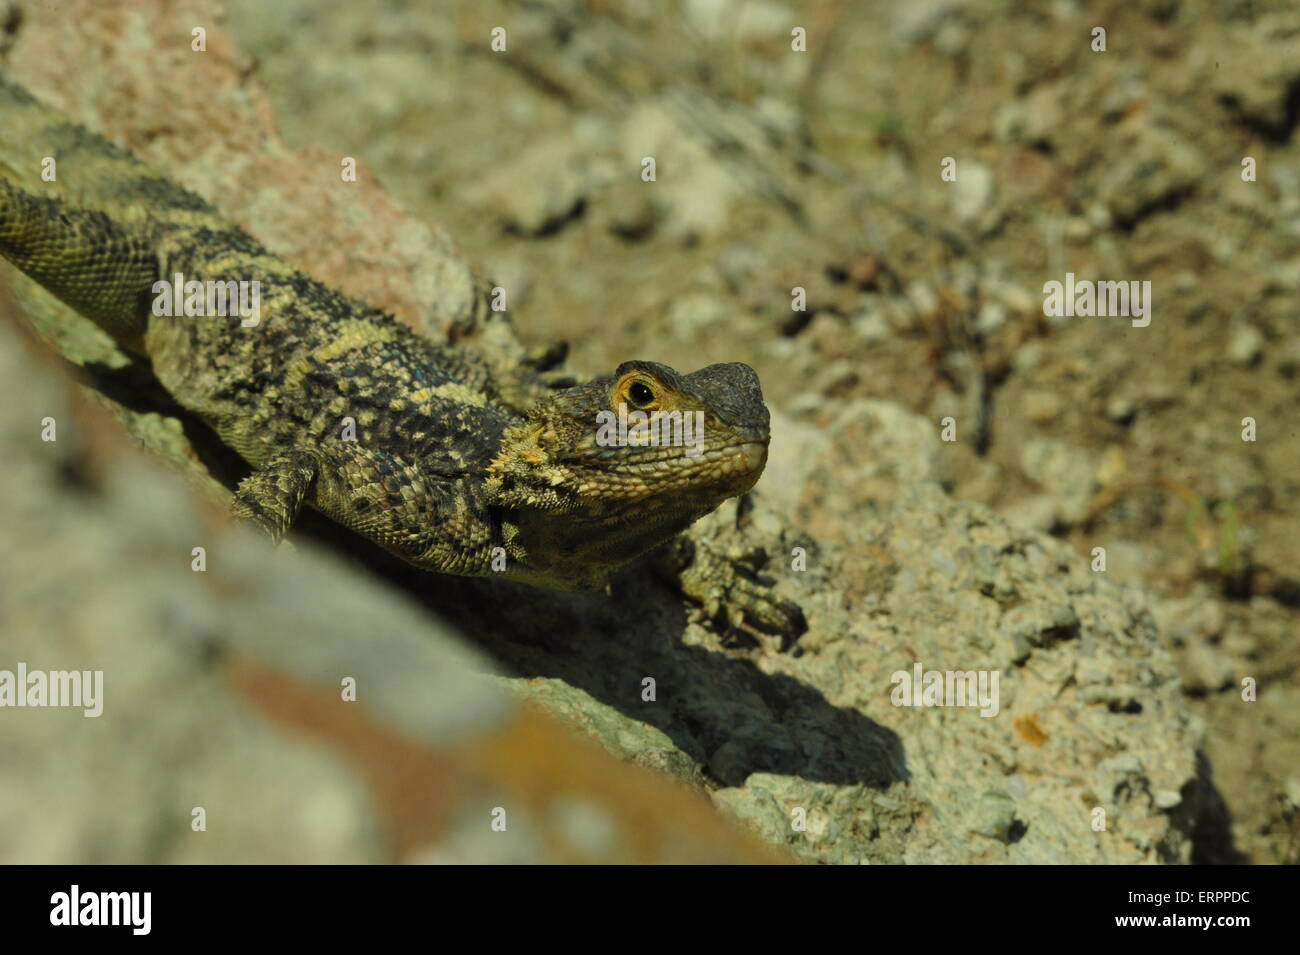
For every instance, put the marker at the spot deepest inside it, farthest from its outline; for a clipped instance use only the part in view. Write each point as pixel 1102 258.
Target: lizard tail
pixel 99 268
pixel 100 264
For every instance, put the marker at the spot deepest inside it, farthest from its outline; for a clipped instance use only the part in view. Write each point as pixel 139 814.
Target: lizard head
pixel 645 450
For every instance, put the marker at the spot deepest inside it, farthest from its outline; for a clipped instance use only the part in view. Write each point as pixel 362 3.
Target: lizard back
pixel 310 361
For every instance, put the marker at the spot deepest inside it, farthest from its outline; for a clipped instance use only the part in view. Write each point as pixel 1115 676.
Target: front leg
pixel 427 520
pixel 728 587
pixel 271 497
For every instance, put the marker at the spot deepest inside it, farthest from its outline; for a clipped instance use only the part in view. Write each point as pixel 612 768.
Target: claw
pixel 733 597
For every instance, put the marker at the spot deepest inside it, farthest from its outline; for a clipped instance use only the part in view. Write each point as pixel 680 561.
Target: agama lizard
pixel 455 465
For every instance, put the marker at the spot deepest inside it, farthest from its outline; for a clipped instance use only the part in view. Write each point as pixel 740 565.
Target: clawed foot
pixel 732 594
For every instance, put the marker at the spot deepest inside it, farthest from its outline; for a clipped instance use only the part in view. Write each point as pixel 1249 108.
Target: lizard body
pixel 455 466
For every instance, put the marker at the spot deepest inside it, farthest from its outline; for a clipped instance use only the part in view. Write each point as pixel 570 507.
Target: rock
pixel 1155 165
pixel 883 445
pixel 709 154
pixel 1065 472
pixel 922 297
pixel 738 20
pixel 935 611
pixel 1009 121
pixel 1123 93
pixel 870 322
pixel 1042 405
pixel 1285 276
pixel 1043 114
pixel 1031 512
pixel 1196 618
pixel 972 193
pixel 1255 78
pixel 914 22
pixel 1245 344
pixel 991 317
pixel 1204 669
pixel 1120 409
pixel 544 186
pixel 993 815
pixel 693 313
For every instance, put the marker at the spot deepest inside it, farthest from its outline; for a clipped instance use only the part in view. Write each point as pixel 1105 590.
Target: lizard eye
pixel 637 390
pixel 641 394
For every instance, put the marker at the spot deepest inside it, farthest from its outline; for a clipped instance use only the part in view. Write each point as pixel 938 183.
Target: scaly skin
pixel 443 464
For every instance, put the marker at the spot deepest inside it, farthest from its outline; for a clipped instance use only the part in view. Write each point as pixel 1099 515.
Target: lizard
pixel 456 465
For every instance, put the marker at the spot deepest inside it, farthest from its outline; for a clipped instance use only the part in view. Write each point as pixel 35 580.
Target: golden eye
pixel 638 391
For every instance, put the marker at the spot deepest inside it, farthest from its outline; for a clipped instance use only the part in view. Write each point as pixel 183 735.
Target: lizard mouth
pixel 694 486
pixel 746 463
